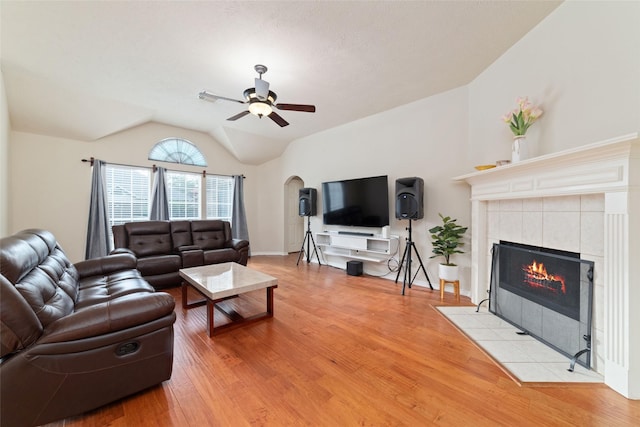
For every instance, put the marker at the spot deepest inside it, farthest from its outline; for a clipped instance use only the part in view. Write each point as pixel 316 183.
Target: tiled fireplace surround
pixel 584 200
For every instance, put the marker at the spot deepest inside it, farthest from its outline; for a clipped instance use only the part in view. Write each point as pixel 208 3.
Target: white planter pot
pixel 448 272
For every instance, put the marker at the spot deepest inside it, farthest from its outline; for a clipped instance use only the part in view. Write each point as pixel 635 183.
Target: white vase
pixel 448 272
pixel 519 149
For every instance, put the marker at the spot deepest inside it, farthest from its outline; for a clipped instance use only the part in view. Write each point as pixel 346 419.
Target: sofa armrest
pixel 106 265
pixel 192 256
pixel 111 316
pixel 239 244
pixel 188 248
pixel 117 251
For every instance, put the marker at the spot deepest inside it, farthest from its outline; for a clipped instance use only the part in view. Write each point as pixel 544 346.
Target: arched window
pixel 177 150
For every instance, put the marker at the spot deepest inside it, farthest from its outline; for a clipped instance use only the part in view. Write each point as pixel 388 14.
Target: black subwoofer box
pixel 354 268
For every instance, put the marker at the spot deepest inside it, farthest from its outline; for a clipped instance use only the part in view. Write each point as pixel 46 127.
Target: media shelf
pixel 365 248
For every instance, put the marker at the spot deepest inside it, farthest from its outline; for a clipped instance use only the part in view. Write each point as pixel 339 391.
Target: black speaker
pixel 354 268
pixel 307 202
pixel 409 198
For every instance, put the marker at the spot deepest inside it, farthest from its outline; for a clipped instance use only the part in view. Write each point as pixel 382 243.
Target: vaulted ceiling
pixel 85 70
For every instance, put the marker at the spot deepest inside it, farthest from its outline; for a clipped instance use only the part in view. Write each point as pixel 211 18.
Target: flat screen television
pixel 362 202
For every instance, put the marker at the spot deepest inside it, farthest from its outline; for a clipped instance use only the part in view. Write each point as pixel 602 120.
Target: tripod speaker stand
pixel 406 262
pixel 308 239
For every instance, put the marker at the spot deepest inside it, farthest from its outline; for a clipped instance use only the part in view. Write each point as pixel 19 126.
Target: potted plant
pixel 446 240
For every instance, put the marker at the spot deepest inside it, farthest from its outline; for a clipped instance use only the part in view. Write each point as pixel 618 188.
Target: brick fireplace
pixel 584 200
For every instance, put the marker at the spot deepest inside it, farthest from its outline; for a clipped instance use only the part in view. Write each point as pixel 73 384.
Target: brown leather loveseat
pixel 164 247
pixel 75 337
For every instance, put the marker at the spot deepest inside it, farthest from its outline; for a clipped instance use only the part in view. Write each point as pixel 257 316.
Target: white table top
pixel 227 279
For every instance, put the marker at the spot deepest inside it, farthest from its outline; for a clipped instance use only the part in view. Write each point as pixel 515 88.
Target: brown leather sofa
pixel 75 337
pixel 164 247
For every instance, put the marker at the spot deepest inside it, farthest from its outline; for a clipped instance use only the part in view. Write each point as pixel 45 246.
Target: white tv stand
pixel 361 247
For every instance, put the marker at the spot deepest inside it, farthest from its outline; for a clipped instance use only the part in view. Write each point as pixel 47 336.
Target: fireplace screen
pixel 547 293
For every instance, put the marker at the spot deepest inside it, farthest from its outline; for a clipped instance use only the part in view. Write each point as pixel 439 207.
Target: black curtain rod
pixel 153 168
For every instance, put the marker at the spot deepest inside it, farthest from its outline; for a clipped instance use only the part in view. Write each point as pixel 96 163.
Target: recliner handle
pixel 127 348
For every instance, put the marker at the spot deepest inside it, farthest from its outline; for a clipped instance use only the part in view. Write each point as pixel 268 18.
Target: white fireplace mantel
pixel 612 168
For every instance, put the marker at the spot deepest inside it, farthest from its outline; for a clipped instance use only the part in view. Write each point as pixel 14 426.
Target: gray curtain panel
pixel 239 228
pixel 160 202
pixel 98 243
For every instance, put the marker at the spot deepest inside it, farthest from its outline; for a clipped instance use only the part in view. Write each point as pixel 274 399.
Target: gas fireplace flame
pixel 536 276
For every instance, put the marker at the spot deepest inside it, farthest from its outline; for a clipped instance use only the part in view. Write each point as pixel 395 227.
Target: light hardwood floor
pixel 347 351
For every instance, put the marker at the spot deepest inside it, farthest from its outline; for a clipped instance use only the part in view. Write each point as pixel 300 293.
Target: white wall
pixel 425 139
pixel 51 187
pixel 581 64
pixel 268 236
pixel 5 128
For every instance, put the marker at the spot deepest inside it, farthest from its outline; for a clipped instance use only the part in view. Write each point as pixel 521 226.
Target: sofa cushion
pixel 161 264
pixel 19 325
pixel 33 262
pixel 181 234
pixel 97 289
pixel 221 255
pixel 149 238
pixel 209 239
pixel 211 234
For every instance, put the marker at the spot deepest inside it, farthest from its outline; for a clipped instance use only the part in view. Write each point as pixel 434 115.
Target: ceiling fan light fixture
pixel 260 108
pixel 261 101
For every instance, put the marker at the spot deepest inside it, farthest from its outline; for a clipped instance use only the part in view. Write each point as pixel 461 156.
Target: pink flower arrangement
pixel 522 117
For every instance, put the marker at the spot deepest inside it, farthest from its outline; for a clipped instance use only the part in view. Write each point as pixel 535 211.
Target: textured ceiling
pixel 84 70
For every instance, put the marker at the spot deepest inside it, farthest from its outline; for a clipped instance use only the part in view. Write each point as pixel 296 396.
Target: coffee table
pixel 220 282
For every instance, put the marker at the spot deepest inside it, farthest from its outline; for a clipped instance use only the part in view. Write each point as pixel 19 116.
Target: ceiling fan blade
pixel 238 116
pixel 262 89
pixel 208 96
pixel 297 107
pixel 279 120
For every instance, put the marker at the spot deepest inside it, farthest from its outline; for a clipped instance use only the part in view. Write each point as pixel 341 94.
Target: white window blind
pixel 177 150
pixel 219 196
pixel 184 194
pixel 128 190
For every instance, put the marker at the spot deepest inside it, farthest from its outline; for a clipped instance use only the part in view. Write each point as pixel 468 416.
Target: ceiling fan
pixel 261 101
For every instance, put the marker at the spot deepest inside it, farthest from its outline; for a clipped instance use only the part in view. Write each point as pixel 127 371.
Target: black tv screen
pixel 362 202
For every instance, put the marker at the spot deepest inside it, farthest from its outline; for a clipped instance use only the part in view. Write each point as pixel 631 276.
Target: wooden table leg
pixel 236 319
pixel 184 295
pixel 210 316
pixel 270 301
